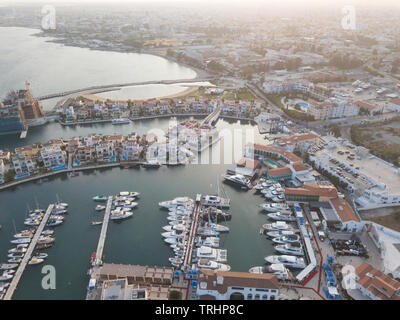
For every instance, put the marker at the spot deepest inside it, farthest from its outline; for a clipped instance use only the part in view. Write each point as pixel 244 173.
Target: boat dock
pixel 28 254
pixel 192 236
pixel 103 233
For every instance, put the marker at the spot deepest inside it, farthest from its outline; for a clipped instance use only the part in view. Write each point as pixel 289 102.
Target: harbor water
pixel 138 239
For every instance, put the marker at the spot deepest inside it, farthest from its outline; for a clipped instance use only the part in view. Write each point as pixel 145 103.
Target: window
pixel 249 296
pixel 265 297
pixel 257 297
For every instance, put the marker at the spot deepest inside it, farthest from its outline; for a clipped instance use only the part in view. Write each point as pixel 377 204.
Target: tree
pixel 9 176
pixel 175 295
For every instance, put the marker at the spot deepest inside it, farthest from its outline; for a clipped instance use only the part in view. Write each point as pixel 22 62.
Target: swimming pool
pixel 303 104
pixel 272 164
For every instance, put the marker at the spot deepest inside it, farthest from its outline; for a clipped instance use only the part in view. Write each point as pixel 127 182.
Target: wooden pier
pixel 192 236
pixel 28 254
pixel 102 239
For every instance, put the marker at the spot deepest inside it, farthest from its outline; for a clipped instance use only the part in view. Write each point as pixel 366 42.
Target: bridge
pixel 212 117
pixel 120 85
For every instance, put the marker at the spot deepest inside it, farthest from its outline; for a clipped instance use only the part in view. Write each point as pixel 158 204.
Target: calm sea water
pixel 53 68
pixel 136 240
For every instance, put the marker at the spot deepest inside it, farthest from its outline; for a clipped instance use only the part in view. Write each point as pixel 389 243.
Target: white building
pixel 53 157
pixel 225 285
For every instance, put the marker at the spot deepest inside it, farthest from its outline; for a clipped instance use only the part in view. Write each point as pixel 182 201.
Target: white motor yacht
pixel 274 207
pixel 120 215
pixel 287 261
pixel 277 226
pixel 290 238
pixel 179 201
pixel 100 197
pixel 218 255
pixel 237 179
pixel 212 265
pixel 276 234
pixel 278 269
pixel 281 216
pixel 290 248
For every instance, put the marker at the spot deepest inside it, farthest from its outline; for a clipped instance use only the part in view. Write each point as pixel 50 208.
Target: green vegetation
pixel 364 135
pixel 391 221
pixel 335 128
pixel 175 295
pixel 9 176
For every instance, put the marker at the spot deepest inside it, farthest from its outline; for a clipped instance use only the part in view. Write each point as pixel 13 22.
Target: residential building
pixel 309 193
pixel 226 285
pixel 376 285
pixel 53 157
pixel 23 164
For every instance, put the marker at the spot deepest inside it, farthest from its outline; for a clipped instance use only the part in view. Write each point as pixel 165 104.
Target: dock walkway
pixel 102 239
pixel 28 254
pixel 192 236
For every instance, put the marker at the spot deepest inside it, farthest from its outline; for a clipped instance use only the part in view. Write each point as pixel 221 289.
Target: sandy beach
pixel 187 91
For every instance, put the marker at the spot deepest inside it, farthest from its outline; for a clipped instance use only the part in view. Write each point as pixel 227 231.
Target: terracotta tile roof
pixel 344 210
pixel 378 283
pixel 364 105
pixel 248 163
pixel 299 166
pixel 237 279
pixel 314 190
pixel 279 171
pixel 395 101
pixel 286 154
pixel 296 138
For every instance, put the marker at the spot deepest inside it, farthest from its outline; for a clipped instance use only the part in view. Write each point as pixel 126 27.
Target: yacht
pixel 278 269
pixel 47 232
pixel 206 231
pixel 287 261
pixel 173 234
pixel 281 216
pixel 208 242
pixel 176 262
pixel 276 234
pixel 34 261
pixel 100 197
pixel 8 266
pixel 59 211
pixel 53 223
pixel 23 234
pixel 99 207
pixel 14 260
pixel 291 238
pixel 216 201
pixel 17 250
pixel 129 194
pixel 278 198
pixel 21 240
pixel 180 201
pixel 175 217
pixel 16 255
pixel 45 240
pixel 217 227
pixel 152 164
pixel 120 215
pixel 40 255
pixel 290 248
pixel 178 227
pixel 32 222
pixel 120 121
pixel 274 207
pixel 276 226
pixel 237 179
pixel 218 255
pixel 212 265
pixel 6 276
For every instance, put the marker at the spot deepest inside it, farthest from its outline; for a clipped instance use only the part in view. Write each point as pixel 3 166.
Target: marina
pixel 28 254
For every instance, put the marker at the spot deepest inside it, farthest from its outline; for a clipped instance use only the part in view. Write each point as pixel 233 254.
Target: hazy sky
pixel 391 3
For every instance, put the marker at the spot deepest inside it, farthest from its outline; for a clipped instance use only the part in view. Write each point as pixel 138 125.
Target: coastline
pixel 94 97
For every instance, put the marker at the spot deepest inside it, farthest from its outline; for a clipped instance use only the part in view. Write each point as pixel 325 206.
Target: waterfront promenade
pixel 25 260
